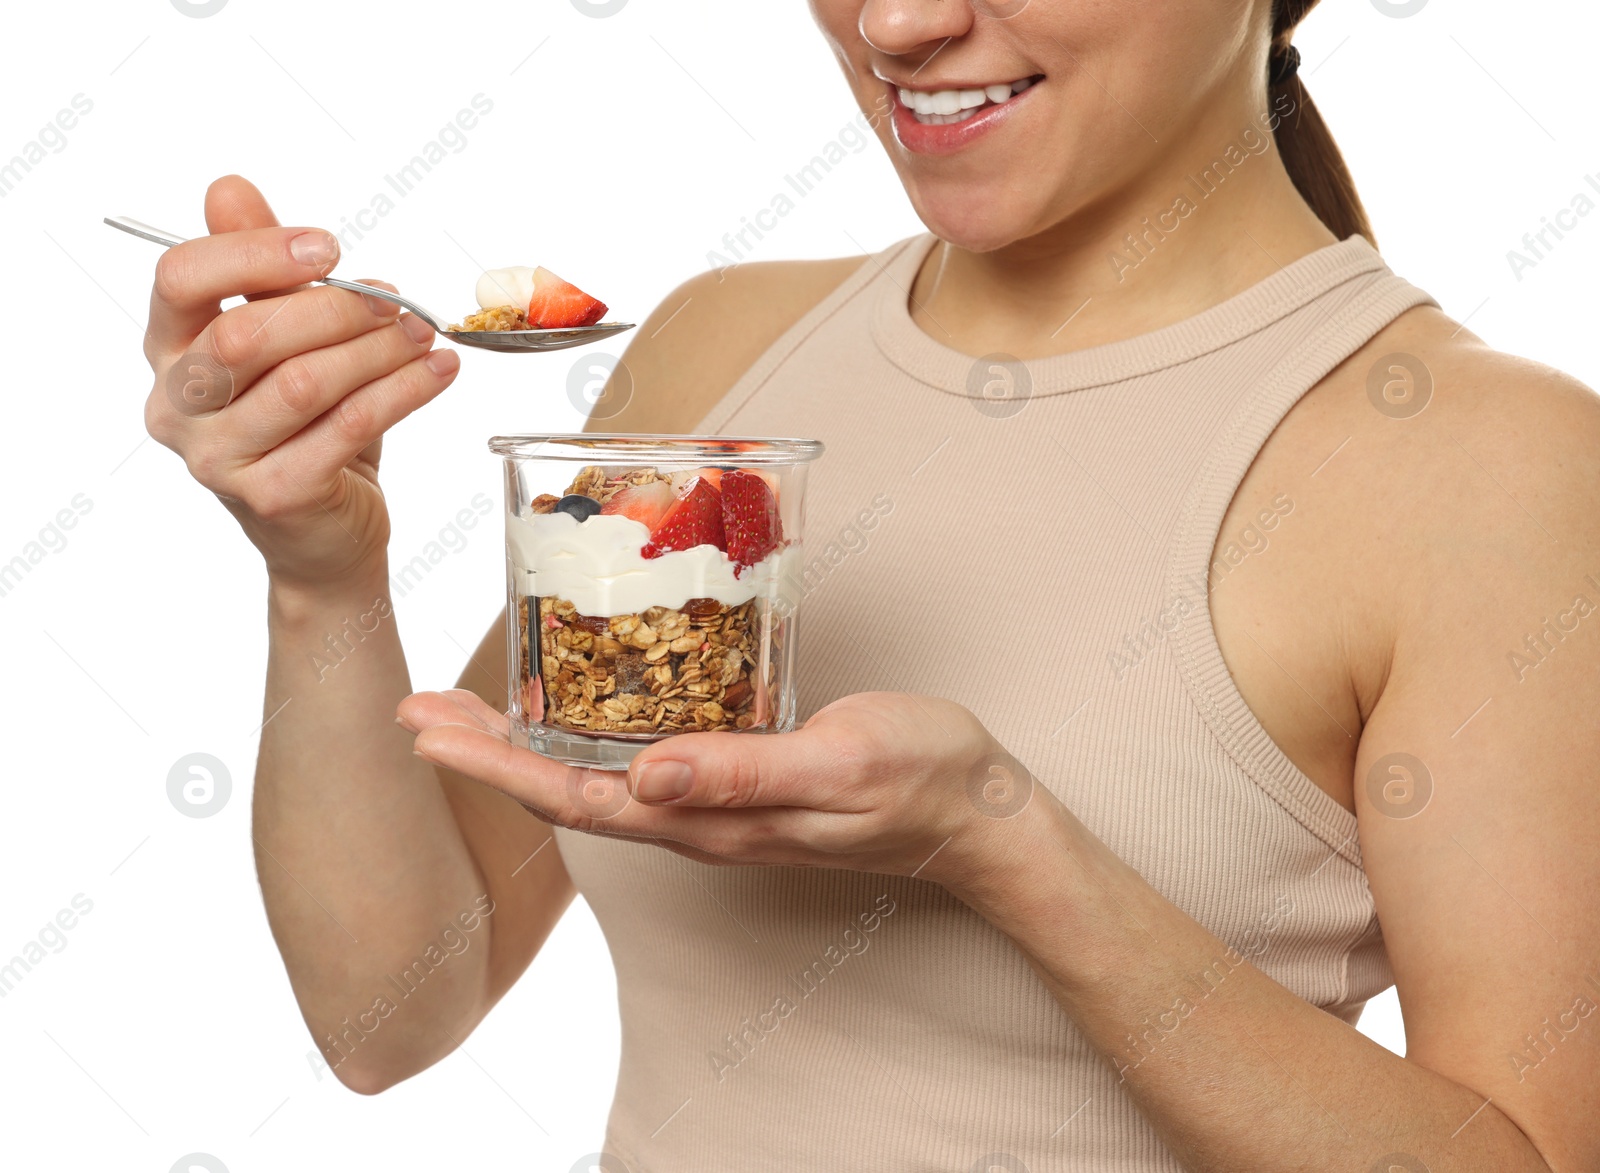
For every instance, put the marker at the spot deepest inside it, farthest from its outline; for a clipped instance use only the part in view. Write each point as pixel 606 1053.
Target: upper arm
pixel 682 359
pixel 1484 861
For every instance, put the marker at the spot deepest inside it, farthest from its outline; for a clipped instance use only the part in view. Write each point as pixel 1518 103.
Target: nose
pixel 903 27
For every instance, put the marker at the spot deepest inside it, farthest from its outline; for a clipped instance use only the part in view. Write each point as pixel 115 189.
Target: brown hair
pixel 1309 153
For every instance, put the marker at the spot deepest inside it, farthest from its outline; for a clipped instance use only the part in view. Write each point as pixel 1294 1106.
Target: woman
pixel 1220 597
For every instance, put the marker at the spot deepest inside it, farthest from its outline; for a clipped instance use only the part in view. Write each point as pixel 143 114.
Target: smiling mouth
pixel 944 107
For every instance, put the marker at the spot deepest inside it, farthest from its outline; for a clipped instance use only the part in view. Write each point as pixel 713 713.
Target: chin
pixel 979 218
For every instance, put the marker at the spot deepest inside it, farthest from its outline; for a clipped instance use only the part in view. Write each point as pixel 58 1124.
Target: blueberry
pixel 578 505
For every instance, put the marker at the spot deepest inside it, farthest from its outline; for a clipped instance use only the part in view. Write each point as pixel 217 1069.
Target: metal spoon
pixel 503 340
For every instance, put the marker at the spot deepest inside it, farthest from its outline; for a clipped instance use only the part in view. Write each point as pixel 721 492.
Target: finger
pixel 455 705
pixel 598 802
pixel 193 278
pixel 561 794
pixel 479 710
pixel 360 418
pixel 296 392
pixel 239 346
pixel 805 768
pixel 234 203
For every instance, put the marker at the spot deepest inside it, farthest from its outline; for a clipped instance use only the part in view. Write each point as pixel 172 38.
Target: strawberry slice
pixel 695 519
pixel 749 517
pixel 560 305
pixel 644 503
pixel 680 480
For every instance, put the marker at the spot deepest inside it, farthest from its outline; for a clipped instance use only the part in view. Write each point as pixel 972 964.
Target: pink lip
pixel 923 139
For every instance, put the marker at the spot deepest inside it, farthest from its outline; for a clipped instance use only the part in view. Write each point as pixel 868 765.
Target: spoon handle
pixel 160 236
pixel 139 228
pixel 384 295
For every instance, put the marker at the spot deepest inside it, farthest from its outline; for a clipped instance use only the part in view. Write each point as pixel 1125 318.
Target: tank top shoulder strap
pixel 873 268
pixel 1341 323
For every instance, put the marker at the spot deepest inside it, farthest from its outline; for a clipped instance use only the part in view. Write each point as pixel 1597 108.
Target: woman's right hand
pixel 279 406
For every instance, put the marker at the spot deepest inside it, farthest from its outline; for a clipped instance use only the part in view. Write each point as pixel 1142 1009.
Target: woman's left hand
pixel 876 782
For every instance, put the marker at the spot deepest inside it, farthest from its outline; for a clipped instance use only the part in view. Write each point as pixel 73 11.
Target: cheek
pixel 839 22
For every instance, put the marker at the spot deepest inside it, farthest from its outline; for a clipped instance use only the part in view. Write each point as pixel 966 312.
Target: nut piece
pixel 704 609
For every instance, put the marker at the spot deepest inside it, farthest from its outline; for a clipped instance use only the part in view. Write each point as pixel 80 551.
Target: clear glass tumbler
pixel 652 585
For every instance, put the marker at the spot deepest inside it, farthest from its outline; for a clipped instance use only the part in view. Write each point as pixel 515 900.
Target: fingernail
pixel 416 329
pixel 314 248
pixel 662 781
pixel 443 362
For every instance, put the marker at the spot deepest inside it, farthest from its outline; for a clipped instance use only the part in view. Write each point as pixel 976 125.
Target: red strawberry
pixel 680 480
pixel 644 503
pixel 560 305
pixel 695 519
pixel 750 518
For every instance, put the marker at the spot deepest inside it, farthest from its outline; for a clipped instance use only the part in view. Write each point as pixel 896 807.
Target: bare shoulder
pixel 1442 452
pixel 710 330
pixel 1455 482
pixel 1425 497
pixel 1459 445
pixel 1489 473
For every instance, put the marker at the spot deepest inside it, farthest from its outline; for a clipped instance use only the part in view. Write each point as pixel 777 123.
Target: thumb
pixel 741 769
pixel 234 203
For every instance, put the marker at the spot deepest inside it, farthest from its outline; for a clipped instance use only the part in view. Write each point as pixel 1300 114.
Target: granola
pixel 504 317
pixel 659 671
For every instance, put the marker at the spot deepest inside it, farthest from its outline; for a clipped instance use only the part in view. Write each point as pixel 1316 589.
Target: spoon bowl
pixel 508 340
pixel 501 340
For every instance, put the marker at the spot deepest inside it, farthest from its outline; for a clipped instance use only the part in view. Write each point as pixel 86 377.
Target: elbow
pixel 369 1062
pixel 364 1071
pixel 366 1079
pixel 372 1068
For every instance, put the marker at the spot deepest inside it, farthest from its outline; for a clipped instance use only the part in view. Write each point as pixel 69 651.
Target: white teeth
pixel 947 119
pixel 941 107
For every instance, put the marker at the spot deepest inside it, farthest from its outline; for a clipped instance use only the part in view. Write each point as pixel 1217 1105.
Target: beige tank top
pixel 1032 543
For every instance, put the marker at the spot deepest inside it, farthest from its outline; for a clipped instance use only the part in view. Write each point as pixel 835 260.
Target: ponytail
pixel 1306 146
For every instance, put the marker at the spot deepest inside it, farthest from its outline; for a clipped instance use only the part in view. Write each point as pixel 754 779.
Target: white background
pixel 617 154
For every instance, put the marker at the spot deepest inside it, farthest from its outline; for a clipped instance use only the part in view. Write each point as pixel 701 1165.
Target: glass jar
pixel 652 587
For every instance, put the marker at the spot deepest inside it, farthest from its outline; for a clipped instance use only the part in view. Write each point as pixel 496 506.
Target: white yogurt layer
pixel 513 287
pixel 596 565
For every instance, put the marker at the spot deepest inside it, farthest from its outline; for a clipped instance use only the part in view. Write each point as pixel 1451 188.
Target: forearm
pixel 361 864
pixel 1234 1071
